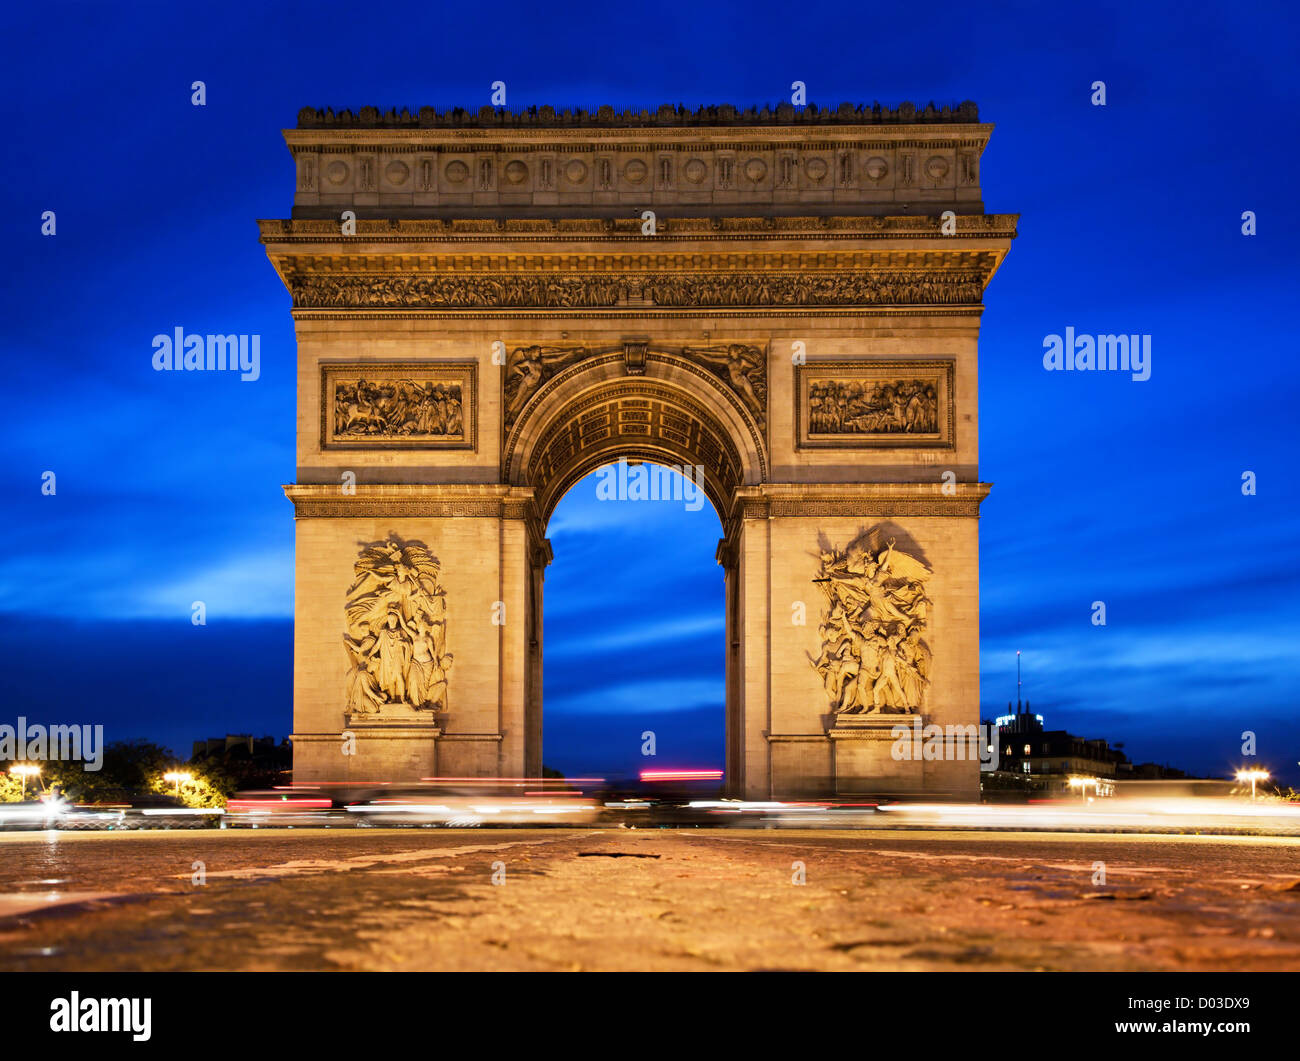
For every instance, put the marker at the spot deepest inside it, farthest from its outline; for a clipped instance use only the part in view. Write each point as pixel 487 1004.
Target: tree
pixel 208 786
pixel 128 767
pixel 11 787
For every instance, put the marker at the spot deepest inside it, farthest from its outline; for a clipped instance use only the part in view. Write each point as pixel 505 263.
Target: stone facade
pixel 474 343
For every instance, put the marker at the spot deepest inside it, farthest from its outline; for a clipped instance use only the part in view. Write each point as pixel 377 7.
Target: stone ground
pixel 615 899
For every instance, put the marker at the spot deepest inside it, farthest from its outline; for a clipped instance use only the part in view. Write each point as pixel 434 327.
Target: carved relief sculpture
pixel 743 367
pixel 673 290
pixel 877 403
pixel 396 631
pixel 874 658
pixel 528 367
pixel 402 406
pixel 806 289
pixel 853 407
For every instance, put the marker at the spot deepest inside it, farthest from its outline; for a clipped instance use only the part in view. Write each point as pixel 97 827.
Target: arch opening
pixel 659 409
pixel 635 629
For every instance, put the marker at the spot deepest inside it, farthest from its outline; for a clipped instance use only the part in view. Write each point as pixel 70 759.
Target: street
pixel 618 899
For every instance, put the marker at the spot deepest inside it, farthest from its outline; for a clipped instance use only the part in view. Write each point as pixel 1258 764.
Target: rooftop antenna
pixel 1017 681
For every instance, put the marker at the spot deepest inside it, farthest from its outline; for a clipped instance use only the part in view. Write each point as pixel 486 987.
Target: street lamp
pixel 1082 784
pixel 1252 776
pixel 25 770
pixel 178 778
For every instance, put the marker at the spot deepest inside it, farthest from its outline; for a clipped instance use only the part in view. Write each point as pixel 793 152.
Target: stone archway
pixel 800 320
pixel 638 403
pixel 664 408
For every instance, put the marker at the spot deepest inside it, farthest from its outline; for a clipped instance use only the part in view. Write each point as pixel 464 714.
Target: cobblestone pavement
pixel 631 899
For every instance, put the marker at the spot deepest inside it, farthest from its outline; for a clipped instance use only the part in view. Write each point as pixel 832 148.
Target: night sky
pixel 168 484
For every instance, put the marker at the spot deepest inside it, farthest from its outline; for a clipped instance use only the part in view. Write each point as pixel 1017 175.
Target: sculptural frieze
pixel 810 289
pixel 351 291
pixel 671 290
pixel 396 631
pixel 874 658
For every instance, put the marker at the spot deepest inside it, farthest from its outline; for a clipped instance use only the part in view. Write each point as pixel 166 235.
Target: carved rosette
pixel 874 659
pixel 396 632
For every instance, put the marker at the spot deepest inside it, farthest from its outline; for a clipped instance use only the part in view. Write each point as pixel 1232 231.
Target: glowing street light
pixel 25 770
pixel 178 778
pixel 1252 776
pixel 1082 784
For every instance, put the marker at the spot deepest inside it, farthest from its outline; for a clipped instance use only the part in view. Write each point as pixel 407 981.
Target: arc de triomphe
pixel 489 306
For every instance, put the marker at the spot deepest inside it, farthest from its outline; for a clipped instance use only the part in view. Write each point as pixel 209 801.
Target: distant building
pixel 1030 748
pixel 1032 758
pixel 1035 760
pixel 1150 772
pixel 251 762
pixel 221 745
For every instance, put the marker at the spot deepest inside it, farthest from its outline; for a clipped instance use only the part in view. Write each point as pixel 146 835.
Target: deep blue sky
pixel 1106 489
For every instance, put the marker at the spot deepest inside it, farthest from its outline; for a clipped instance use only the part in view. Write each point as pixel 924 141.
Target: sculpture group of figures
pixel 860 408
pixel 398 408
pixel 396 635
pixel 837 289
pixel 873 656
pixel 454 291
pixel 671 289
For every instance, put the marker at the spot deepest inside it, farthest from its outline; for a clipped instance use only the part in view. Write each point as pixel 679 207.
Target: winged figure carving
pixel 874 657
pixel 528 367
pixel 744 367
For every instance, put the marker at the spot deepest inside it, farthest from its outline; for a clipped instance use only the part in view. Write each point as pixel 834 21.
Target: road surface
pixel 616 899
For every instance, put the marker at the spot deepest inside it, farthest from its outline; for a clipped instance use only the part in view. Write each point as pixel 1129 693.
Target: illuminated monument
pixel 490 306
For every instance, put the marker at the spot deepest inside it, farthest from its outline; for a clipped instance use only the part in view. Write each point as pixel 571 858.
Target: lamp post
pixel 25 770
pixel 1082 784
pixel 178 778
pixel 1252 776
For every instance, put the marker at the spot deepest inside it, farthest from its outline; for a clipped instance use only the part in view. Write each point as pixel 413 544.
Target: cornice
pixel 398 500
pixel 414 267
pixel 639 313
pixel 288 232
pixel 618 261
pixel 867 500
pixel 765 501
pixel 525 141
